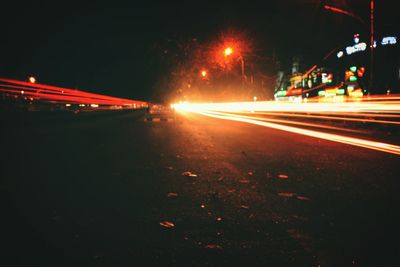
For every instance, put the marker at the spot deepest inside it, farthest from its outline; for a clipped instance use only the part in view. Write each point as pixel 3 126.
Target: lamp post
pixel 228 52
pixel 371 62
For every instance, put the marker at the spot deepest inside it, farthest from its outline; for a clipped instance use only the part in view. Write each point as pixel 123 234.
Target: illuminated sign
pixel 280 93
pixel 330 92
pixel 327 77
pixel 353 79
pixel 340 91
pixel 356 93
pixel 356 38
pixel 321 93
pixel 356 48
pixel 390 40
pixel 294 91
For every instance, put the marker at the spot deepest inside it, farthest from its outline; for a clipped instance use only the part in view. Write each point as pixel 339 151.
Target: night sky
pixel 113 47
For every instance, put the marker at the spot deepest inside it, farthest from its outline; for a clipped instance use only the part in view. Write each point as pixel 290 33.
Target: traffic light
pixel 353 73
pixel 360 72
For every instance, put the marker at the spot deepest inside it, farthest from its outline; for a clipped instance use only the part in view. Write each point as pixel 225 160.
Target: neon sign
pixel 390 40
pixel 356 48
pixel 327 77
pixel 280 93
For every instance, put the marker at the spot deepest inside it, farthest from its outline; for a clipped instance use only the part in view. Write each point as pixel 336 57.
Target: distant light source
pixel 356 48
pixel 255 98
pixel 280 93
pixel 32 79
pixel 339 54
pixel 203 73
pixel 228 51
pixel 389 40
pixel 353 79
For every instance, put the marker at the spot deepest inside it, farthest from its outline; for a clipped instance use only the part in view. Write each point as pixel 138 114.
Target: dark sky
pixel 110 46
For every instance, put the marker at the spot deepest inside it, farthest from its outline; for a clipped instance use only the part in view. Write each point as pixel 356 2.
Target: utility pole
pixel 242 67
pixel 371 62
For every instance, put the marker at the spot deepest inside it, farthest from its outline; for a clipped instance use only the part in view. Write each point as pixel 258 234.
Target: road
pixel 114 190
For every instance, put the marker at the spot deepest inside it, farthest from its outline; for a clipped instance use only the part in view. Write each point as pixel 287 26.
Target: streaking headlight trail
pixel 373 110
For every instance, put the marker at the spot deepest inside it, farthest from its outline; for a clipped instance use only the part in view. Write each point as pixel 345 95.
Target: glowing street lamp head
pixel 32 79
pixel 228 51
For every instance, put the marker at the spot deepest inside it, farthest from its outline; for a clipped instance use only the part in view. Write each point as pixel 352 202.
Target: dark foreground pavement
pixel 93 190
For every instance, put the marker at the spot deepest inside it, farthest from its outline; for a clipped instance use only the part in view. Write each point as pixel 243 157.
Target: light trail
pixel 239 112
pixel 381 107
pixel 59 95
pixel 339 118
pixel 315 125
pixel 384 147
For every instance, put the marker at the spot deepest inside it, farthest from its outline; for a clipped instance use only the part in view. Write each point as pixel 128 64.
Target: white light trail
pixel 389 108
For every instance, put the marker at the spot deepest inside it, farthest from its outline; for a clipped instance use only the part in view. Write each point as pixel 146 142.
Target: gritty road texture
pixel 115 190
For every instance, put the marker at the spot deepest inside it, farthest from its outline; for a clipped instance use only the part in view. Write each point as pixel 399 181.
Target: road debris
pixel 172 194
pixel 189 174
pixel 213 246
pixel 303 198
pixel 286 194
pixel 167 224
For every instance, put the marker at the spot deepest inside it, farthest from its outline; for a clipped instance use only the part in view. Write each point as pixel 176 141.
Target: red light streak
pixel 53 94
pixel 338 10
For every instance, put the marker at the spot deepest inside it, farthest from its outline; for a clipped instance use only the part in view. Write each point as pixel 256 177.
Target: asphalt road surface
pixel 115 190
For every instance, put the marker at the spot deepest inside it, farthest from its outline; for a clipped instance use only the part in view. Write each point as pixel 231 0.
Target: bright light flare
pixel 228 51
pixel 369 107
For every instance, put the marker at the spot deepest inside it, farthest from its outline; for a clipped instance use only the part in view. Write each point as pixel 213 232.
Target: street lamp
pixel 32 79
pixel 228 52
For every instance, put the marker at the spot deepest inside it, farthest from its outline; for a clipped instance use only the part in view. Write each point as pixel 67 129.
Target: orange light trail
pixel 339 118
pixel 239 111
